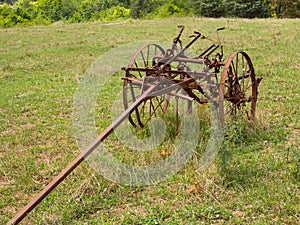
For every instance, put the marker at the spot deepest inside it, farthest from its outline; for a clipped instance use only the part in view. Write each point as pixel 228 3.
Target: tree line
pixel 25 12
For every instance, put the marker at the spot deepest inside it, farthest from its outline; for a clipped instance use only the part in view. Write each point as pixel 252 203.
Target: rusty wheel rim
pixel 237 87
pixel 145 57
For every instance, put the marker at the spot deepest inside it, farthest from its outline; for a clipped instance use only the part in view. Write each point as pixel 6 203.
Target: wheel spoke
pixel 237 87
pixel 234 71
pixel 247 84
pixel 237 66
pixel 243 72
pixel 161 104
pixel 247 88
pixel 136 65
pixel 151 107
pixel 148 53
pixel 132 75
pixel 145 62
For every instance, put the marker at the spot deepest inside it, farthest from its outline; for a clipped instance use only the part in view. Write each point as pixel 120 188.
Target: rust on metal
pixel 155 74
pixel 63 174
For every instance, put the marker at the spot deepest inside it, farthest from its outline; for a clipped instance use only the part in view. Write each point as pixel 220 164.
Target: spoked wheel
pixel 146 57
pixel 238 87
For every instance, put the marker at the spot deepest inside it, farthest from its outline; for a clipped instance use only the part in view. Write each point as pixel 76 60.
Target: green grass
pixel 254 180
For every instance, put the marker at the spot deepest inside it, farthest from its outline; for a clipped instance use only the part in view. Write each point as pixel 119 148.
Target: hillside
pixel 254 179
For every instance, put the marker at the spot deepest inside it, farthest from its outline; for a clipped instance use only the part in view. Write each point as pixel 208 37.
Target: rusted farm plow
pixel 154 75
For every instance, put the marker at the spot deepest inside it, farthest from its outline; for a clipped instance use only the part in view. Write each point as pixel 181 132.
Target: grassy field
pixel 254 180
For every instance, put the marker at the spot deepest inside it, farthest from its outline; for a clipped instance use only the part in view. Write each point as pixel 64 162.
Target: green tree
pixel 208 8
pixel 159 8
pixel 246 8
pixel 91 9
pixel 5 11
pixel 137 7
pixel 55 10
pixel 284 8
pixel 10 2
pixel 122 3
pixel 88 9
pixel 20 13
pixel 141 8
pixel 292 10
pixel 115 13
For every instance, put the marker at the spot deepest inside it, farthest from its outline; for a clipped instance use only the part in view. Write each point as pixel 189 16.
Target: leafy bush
pixel 167 10
pixel 5 11
pixel 115 13
pixel 55 10
pixel 141 8
pixel 17 14
pixel 246 9
pixel 94 9
pixel 49 11
pixel 209 8
pixel 88 10
pixel 171 8
pixel 292 10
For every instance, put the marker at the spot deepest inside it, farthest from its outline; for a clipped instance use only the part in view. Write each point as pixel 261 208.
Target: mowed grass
pixel 254 179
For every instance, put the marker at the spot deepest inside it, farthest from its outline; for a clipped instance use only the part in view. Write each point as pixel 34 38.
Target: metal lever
pixel 196 33
pixel 177 39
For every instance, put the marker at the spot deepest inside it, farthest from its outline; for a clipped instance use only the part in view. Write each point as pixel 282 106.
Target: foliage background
pixel 27 12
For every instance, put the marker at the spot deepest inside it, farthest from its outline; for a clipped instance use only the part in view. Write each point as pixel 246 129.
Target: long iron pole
pixel 63 174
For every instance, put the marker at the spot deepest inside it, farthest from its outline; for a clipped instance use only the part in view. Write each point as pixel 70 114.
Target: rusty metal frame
pixel 153 84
